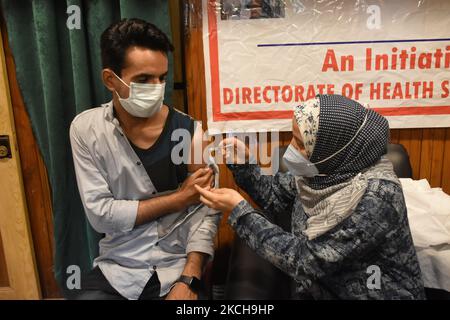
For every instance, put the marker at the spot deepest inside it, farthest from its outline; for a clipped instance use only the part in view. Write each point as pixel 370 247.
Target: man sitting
pixel 157 235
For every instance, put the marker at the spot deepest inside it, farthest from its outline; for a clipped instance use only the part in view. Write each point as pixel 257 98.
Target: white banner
pixel 264 57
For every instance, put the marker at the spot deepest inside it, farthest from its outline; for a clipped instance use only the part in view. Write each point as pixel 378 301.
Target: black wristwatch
pixel 194 283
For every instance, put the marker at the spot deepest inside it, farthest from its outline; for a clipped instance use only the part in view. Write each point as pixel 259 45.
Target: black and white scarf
pixel 339 120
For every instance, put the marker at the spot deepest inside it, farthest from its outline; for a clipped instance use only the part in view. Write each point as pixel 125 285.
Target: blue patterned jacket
pixel 369 255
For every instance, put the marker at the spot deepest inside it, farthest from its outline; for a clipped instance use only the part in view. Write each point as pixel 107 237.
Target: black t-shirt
pixel 164 174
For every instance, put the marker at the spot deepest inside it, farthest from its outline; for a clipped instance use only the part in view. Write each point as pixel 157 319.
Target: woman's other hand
pixel 222 199
pixel 234 150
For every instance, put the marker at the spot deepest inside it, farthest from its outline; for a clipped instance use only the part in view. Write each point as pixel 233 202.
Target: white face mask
pixel 145 99
pixel 297 164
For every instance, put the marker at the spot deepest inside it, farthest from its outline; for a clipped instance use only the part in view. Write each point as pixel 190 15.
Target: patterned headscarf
pixel 327 123
pixel 307 117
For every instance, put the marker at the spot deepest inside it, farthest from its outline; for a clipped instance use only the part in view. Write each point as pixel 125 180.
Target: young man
pixel 157 235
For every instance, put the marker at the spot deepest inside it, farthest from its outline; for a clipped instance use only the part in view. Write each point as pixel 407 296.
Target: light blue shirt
pixel 111 183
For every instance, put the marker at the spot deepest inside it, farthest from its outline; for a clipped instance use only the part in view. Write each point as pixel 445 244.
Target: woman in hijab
pixel 348 212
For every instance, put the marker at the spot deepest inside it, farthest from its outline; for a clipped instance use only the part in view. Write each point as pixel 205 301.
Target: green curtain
pixel 59 73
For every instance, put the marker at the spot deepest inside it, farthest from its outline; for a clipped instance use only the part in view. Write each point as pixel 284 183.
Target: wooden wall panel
pixel 178 94
pixel 425 153
pixel 414 150
pixel 429 153
pixel 394 136
pixel 446 163
pixel 194 66
pixel 4 279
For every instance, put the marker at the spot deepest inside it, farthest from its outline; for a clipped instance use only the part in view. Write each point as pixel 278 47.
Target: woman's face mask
pixel 297 164
pixel 145 99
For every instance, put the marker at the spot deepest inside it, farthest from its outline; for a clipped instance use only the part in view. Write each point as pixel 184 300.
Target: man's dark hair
pixel 118 37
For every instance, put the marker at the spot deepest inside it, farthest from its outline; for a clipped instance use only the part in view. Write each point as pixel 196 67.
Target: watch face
pixel 196 284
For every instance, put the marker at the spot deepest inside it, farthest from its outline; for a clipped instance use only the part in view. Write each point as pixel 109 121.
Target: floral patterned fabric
pixel 307 118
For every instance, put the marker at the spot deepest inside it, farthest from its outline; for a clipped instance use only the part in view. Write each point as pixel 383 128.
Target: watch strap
pixel 194 283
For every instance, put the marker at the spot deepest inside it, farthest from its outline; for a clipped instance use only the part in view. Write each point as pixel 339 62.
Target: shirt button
pixel 138 163
pixel 154 267
pixel 156 243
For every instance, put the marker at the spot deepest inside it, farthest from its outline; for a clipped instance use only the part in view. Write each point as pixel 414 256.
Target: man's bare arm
pixel 197 148
pixel 194 264
pixel 193 268
pixel 152 209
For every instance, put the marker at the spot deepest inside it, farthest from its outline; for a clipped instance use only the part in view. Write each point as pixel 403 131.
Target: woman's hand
pixel 234 150
pixel 222 199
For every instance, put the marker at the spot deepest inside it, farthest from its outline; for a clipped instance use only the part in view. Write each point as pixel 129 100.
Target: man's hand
pixel 188 194
pixel 151 209
pixel 181 291
pixel 222 199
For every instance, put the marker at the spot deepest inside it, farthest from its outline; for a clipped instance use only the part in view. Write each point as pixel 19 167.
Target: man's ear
pixel 108 79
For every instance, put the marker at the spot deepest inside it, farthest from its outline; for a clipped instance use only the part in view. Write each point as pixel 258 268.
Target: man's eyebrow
pixel 144 75
pixel 149 75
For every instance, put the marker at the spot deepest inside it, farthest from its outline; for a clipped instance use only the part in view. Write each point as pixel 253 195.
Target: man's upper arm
pixel 198 145
pixel 106 214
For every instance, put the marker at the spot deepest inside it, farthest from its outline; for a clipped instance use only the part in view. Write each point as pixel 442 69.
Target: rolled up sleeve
pixel 105 213
pixel 202 239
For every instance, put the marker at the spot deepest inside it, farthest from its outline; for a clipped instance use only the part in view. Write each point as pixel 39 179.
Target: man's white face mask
pixel 145 99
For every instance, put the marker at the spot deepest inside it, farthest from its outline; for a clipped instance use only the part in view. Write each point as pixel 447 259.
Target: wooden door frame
pixel 21 270
pixel 35 180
